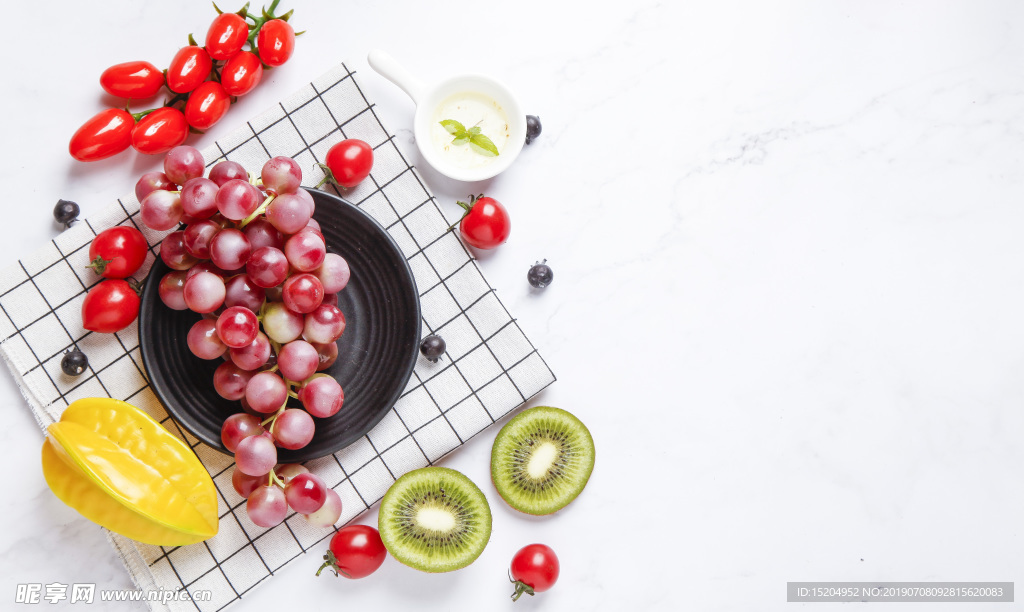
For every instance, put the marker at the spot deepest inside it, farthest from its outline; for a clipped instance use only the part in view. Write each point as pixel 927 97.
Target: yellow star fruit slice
pixel 121 469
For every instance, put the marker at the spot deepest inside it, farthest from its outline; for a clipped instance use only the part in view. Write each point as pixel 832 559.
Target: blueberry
pixel 432 347
pixel 74 362
pixel 65 212
pixel 532 128
pixel 540 275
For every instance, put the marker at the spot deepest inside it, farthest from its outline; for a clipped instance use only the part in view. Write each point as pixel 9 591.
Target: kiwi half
pixel 541 460
pixel 434 519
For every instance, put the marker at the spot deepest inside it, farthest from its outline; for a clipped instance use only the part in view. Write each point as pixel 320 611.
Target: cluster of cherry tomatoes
pixel 204 81
pixel 115 254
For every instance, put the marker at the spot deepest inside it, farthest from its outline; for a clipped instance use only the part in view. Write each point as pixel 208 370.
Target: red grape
pixel 333 273
pixel 230 249
pixel 328 514
pixel 305 250
pixel 323 325
pixel 306 493
pixel 161 210
pixel 262 234
pixel 267 267
pixel 328 354
pixel 256 455
pixel 281 175
pixel 199 198
pixel 298 360
pixel 293 429
pixel 230 380
pixel 281 324
pixel 266 393
pixel 172 290
pixel 240 291
pixel 150 182
pixel 253 355
pixel 290 212
pixel 245 484
pixel 237 199
pixel 173 252
pixel 203 341
pixel 225 171
pixel 322 397
pixel 238 427
pixel 238 327
pixel 289 470
pixel 204 292
pixel 267 506
pixel 303 293
pixel 183 163
pixel 197 238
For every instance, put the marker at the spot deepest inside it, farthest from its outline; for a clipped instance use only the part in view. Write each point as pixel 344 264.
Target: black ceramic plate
pixel 376 354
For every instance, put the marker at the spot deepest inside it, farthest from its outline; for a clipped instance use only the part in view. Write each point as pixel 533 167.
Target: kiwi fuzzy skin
pixel 392 539
pixel 498 458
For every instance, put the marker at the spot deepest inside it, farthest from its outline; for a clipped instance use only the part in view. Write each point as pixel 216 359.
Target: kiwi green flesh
pixel 435 519
pixel 541 460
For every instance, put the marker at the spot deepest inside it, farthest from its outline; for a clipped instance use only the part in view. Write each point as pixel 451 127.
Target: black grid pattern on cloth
pixel 490 368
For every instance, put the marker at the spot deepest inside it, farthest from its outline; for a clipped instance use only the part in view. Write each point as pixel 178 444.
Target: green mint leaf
pixel 473 131
pixel 461 140
pixel 483 145
pixel 453 127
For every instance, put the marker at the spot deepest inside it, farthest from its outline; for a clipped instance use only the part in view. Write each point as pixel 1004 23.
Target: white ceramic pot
pixel 428 98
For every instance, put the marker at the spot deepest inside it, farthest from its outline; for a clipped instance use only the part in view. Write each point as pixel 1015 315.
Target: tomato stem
pixel 466 208
pixel 135 285
pixel 328 176
pixel 140 115
pixel 179 97
pixel 99 265
pixel 521 587
pixel 330 561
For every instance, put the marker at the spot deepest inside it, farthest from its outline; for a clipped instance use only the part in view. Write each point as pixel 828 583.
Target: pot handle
pixel 387 67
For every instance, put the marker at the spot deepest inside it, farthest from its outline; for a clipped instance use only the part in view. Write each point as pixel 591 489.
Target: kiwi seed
pixel 435 519
pixel 541 460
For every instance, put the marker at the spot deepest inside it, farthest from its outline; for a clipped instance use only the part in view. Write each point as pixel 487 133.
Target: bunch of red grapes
pixel 253 261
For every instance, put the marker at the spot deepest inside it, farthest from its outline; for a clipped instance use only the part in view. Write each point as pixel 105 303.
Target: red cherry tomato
pixel 485 224
pixel 241 73
pixel 118 252
pixel 107 133
pixel 160 131
pixel 135 80
pixel 110 306
pixel 226 35
pixel 534 569
pixel 275 42
pixel 206 105
pixel 190 67
pixel 356 551
pixel 349 161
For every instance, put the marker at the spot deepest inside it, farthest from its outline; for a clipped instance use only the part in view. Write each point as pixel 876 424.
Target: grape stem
pixel 259 211
pixel 273 479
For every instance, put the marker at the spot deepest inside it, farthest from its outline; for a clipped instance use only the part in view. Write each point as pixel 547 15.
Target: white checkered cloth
pixel 490 367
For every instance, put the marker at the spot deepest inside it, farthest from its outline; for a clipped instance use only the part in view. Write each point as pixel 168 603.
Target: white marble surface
pixel 787 299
